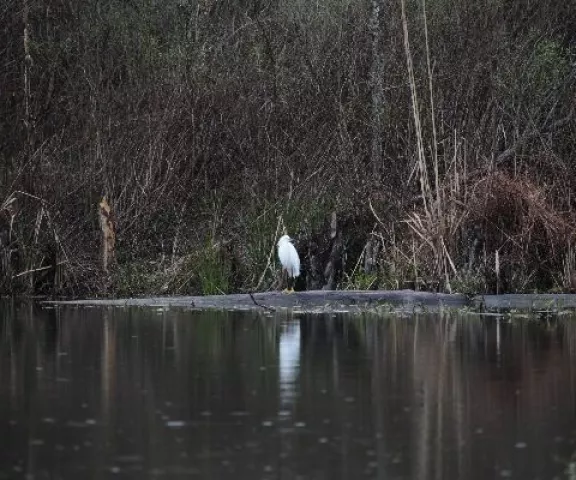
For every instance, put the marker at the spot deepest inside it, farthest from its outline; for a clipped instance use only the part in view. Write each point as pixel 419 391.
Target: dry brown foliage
pixel 504 230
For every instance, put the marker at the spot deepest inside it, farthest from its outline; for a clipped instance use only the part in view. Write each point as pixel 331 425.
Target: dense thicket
pixel 440 133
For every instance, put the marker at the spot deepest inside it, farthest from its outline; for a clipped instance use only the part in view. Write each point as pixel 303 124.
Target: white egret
pixel 289 259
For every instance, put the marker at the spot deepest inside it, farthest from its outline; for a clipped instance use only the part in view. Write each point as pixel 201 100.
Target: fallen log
pixel 345 301
pixel 304 301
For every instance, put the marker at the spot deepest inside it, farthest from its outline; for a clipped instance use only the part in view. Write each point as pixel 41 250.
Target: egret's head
pixel 284 239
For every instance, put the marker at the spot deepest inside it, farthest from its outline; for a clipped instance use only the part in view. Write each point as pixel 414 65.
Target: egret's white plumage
pixel 288 256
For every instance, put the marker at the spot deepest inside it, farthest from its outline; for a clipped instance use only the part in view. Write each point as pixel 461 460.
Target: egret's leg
pixel 284 275
pixel 291 287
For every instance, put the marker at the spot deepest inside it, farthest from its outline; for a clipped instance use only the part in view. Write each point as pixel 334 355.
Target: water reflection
pixel 172 394
pixel 288 362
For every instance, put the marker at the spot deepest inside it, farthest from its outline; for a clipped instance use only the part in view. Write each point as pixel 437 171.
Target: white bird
pixel 289 259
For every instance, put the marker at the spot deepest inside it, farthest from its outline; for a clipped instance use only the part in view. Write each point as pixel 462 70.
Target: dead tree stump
pixel 108 227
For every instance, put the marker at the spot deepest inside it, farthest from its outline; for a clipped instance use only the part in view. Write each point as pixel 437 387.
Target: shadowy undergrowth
pixel 404 144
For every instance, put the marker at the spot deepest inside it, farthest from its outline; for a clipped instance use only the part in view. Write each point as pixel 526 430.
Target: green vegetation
pixel 438 134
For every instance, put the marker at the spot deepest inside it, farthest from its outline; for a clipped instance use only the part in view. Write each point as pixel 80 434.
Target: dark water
pixel 129 393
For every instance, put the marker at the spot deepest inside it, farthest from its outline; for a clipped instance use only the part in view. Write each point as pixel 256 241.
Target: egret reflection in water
pixel 289 362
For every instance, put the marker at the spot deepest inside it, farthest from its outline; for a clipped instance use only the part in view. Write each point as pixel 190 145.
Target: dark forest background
pixel 420 143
